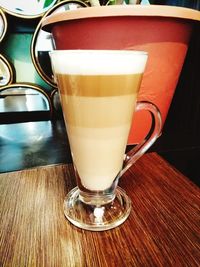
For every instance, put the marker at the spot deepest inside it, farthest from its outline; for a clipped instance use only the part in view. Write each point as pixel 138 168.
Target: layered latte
pixel 98 96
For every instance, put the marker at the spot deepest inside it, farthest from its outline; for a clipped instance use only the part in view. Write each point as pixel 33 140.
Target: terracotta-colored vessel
pixel 163 31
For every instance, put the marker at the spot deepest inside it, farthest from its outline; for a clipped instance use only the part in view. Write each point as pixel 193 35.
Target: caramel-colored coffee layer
pixel 98 100
pixel 98 112
pixel 99 85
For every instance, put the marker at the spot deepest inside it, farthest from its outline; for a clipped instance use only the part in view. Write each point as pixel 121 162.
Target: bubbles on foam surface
pixel 93 62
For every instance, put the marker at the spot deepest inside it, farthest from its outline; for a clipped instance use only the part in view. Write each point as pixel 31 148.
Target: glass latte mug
pixel 98 91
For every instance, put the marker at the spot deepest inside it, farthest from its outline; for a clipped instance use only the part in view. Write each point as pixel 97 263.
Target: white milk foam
pixel 98 152
pixel 91 62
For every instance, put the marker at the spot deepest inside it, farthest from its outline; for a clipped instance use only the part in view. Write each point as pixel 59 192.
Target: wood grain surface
pixel 163 228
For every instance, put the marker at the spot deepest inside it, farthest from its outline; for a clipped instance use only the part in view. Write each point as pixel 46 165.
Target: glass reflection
pixel 42 42
pixel 26 8
pixel 6 72
pixel 23 99
pixel 26 132
pixel 3 25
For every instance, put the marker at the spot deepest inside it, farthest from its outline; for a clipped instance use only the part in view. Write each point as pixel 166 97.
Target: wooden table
pixel 163 228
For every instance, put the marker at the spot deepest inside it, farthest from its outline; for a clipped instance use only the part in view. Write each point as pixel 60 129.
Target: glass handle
pixel 134 154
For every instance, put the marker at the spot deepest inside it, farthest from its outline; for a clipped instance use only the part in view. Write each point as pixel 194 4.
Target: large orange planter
pixel 163 31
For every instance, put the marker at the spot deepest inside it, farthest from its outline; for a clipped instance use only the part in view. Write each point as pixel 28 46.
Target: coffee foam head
pixel 95 62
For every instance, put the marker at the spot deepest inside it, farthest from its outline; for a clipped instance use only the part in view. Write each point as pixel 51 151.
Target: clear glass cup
pixel 98 91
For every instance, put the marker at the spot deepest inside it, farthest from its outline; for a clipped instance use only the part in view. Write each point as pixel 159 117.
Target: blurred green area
pixel 47 3
pixel 16 48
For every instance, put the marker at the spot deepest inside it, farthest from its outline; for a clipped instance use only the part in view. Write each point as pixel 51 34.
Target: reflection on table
pixel 32 144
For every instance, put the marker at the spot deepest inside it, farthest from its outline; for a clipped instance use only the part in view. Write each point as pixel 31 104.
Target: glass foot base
pixel 97 218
